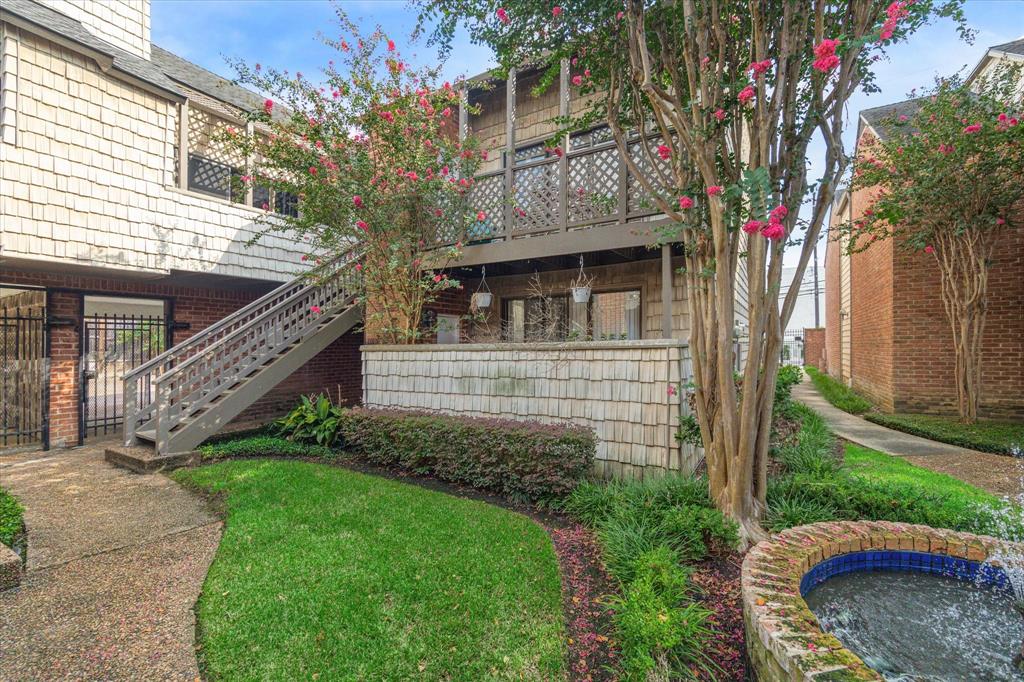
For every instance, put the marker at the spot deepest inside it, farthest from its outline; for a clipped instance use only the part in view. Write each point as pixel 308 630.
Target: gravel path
pixel 999 474
pixel 116 562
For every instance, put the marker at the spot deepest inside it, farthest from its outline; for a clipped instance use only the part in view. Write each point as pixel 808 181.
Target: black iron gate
pixel 23 376
pixel 112 345
pixel 793 347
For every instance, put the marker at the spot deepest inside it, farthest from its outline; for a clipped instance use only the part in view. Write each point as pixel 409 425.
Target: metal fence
pixel 112 345
pixel 793 348
pixel 23 376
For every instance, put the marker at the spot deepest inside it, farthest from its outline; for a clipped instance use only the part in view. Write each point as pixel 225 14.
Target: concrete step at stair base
pixel 143 459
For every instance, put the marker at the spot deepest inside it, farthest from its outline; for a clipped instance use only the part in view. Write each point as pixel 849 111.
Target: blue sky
pixel 283 34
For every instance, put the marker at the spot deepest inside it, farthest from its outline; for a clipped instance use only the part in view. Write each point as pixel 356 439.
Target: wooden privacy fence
pixel 621 389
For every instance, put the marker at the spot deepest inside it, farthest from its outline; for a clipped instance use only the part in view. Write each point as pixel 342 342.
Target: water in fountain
pixel 1008 523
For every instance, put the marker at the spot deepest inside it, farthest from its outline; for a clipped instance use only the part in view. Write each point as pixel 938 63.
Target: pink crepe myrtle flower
pixel 577 80
pixel 746 94
pixel 437 278
pixel 973 128
pixel 315 309
pixel 556 11
pixel 359 267
pixel 752 226
pixel 945 148
pixel 720 114
pixel 685 203
pixel 778 213
pixel 361 224
pixel 1000 220
pixel 502 15
pixel 266 206
pixel 481 216
pixel 268 106
pixel 357 201
pixel 312 170
pixel 671 389
pixel 664 151
pixel 391 46
pixel 714 190
pixel 387 116
pixel 825 53
pixel 929 249
pixel 773 231
pixel 760 68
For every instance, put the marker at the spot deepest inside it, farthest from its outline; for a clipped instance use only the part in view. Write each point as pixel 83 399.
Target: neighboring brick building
pixel 887 334
pixel 116 200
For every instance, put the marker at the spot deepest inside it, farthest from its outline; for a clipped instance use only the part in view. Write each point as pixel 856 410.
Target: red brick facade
pixel 335 370
pixel 814 347
pixel 901 343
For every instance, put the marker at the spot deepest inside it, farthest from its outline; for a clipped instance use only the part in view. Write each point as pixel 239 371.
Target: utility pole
pixel 817 315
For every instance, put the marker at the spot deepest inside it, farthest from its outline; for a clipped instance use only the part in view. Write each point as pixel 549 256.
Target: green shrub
pixel 262 446
pixel 661 630
pixel 813 450
pixel 11 523
pixel 313 420
pixel 519 459
pixel 789 376
pixel 836 393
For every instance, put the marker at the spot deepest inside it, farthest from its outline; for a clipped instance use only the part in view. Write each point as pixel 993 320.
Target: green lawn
pixel 10 517
pixel 328 574
pixel 988 436
pixel 878 467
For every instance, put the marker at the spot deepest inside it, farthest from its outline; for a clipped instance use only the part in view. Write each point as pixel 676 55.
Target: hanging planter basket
pixel 482 296
pixel 632 300
pixel 580 294
pixel 580 286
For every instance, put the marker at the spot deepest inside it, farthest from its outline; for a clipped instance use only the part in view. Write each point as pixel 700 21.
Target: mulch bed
pixel 719 580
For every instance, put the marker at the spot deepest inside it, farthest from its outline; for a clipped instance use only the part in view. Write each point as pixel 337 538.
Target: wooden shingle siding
pixel 90 179
pixel 122 23
pixel 620 389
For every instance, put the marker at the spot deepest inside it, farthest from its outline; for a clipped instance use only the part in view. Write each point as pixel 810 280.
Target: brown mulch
pixel 719 580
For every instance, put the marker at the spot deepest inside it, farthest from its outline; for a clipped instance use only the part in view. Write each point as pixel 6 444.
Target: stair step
pixel 143 459
pixel 149 435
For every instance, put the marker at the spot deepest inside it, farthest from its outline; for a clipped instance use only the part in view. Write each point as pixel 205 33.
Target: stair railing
pixel 325 287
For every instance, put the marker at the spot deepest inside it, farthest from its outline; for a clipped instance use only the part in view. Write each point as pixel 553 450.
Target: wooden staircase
pixel 185 395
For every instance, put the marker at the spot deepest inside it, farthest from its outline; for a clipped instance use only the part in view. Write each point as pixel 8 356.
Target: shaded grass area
pixel 10 517
pixel 329 574
pixel 837 393
pixel 1002 438
pixel 815 485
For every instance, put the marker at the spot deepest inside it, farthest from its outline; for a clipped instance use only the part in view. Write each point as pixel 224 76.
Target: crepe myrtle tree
pixel 370 149
pixel 921 198
pixel 721 99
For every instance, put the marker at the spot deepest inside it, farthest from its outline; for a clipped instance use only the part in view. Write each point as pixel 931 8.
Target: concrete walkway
pixel 116 562
pixel 999 474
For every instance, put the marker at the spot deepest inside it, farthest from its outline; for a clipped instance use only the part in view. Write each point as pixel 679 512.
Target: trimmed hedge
pixel 839 395
pixel 11 523
pixel 1001 438
pixel 519 459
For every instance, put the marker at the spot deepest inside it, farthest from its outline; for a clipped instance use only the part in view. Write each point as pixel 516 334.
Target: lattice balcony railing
pixel 589 185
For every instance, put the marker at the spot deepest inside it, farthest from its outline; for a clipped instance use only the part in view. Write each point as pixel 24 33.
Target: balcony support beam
pixel 563 163
pixel 183 146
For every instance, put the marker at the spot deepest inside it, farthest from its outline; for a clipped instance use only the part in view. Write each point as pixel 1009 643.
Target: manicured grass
pixel 328 574
pixel 871 465
pixel 1003 438
pixel 10 517
pixel 836 393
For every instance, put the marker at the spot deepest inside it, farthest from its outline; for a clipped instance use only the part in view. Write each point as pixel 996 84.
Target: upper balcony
pixel 542 199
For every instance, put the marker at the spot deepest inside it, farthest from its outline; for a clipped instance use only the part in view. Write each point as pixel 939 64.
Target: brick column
pixel 65 356
pixel 814 347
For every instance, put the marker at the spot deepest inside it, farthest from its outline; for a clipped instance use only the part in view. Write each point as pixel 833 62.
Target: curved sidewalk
pixel 116 563
pixel 999 474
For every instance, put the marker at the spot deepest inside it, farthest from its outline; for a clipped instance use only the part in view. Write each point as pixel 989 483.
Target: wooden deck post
pixel 563 163
pixel 183 146
pixel 510 149
pixel 666 291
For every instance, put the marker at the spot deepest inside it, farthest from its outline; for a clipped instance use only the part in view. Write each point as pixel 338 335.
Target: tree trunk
pixel 963 263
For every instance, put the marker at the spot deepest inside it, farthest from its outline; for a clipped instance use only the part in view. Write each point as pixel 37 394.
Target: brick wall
pixel 814 348
pixel 335 370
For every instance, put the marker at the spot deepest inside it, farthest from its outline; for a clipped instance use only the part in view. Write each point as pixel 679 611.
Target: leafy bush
pixel 837 394
pixel 662 631
pixel 816 486
pixel 1002 438
pixel 519 459
pixel 789 376
pixel 647 530
pixel 262 446
pixel 11 523
pixel 313 420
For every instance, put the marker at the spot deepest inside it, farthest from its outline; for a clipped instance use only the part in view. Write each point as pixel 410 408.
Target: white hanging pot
pixel 482 299
pixel 581 294
pixel 632 300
